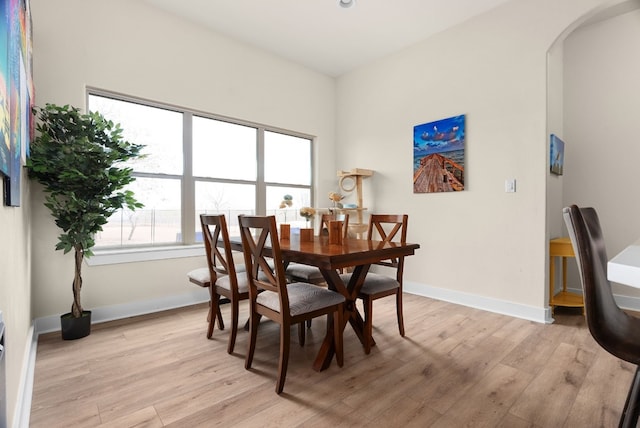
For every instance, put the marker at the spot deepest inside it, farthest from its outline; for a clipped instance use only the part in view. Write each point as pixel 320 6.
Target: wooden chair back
pixel 218 247
pixel 326 218
pixel 260 245
pixel 389 228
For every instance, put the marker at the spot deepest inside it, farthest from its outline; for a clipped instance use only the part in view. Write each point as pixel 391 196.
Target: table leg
pixel 351 314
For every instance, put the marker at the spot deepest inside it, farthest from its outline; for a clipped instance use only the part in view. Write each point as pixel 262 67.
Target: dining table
pixel 624 268
pixel 356 254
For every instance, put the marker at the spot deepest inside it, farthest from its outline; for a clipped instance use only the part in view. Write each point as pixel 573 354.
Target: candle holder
pixel 285 231
pixel 306 235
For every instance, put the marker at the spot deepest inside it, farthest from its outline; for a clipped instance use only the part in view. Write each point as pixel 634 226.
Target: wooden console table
pixel 561 247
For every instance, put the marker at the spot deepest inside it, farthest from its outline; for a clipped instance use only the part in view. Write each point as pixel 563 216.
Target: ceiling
pixel 322 36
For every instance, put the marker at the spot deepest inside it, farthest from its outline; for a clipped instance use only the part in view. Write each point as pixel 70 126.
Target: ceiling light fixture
pixel 346 3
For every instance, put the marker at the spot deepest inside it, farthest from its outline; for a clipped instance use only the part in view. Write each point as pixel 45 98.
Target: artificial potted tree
pixel 78 159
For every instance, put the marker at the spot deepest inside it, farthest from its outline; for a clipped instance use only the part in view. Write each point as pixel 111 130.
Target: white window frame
pixel 189 247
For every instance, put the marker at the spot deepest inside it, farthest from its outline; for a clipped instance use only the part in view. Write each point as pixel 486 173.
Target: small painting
pixel 438 155
pixel 556 158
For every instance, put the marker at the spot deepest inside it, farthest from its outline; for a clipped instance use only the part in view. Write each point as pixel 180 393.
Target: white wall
pixel 128 47
pixel 601 110
pixel 493 68
pixel 555 125
pixel 15 292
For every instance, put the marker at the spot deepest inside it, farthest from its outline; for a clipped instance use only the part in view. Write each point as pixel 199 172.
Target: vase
pixel 75 328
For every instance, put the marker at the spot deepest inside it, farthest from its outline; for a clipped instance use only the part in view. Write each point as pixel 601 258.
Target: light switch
pixel 510 185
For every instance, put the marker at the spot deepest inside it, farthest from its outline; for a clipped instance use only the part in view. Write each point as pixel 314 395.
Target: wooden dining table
pixel 357 254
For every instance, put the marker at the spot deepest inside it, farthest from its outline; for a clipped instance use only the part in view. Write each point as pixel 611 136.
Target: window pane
pixel 287 159
pixel 288 213
pixel 157 223
pixel 223 150
pixel 228 171
pixel 224 198
pixel 159 130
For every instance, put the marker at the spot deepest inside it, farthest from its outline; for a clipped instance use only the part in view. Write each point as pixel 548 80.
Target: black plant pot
pixel 75 328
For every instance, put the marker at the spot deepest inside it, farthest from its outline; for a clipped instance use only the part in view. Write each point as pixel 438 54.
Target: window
pixel 198 163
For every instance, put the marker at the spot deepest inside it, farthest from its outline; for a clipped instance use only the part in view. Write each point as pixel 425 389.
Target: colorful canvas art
pixel 438 155
pixel 5 130
pixel 16 94
pixel 556 155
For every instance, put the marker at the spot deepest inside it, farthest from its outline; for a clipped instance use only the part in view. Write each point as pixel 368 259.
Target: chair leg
pixel 254 320
pixel 213 309
pixel 220 321
pixel 368 323
pixel 338 335
pixel 285 333
pixel 399 312
pixel 631 409
pixel 234 325
pixel 301 334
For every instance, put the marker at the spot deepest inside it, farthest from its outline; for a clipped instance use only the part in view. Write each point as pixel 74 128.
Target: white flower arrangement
pixel 336 197
pixel 307 213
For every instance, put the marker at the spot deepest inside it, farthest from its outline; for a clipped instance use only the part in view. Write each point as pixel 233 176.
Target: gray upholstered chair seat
pixel 225 282
pixel 374 283
pixel 303 298
pixel 304 273
pixel 199 276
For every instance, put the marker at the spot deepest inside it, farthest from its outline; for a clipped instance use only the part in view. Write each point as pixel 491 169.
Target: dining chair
pixel 388 228
pixel 298 272
pixel 223 272
pixel 272 297
pixel 202 278
pixel 614 329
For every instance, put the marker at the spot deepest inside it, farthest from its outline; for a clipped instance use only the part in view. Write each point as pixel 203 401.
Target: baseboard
pixel 22 411
pixel 628 302
pixel 125 310
pixel 504 307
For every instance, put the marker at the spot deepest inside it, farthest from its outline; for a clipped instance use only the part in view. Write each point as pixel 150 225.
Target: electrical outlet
pixel 510 185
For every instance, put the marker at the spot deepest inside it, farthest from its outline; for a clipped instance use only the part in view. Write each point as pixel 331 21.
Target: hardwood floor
pixel 456 367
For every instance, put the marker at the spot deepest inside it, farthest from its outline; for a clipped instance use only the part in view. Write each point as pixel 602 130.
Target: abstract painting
pixel 5 130
pixel 556 155
pixel 438 155
pixel 16 94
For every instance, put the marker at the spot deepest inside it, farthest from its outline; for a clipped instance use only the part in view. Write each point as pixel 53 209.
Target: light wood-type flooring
pixel 456 367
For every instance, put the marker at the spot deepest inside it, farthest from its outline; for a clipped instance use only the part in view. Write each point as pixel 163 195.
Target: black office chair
pixel 615 330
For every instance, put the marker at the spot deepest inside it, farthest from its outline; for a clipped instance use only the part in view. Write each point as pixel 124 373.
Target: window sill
pixel 133 255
